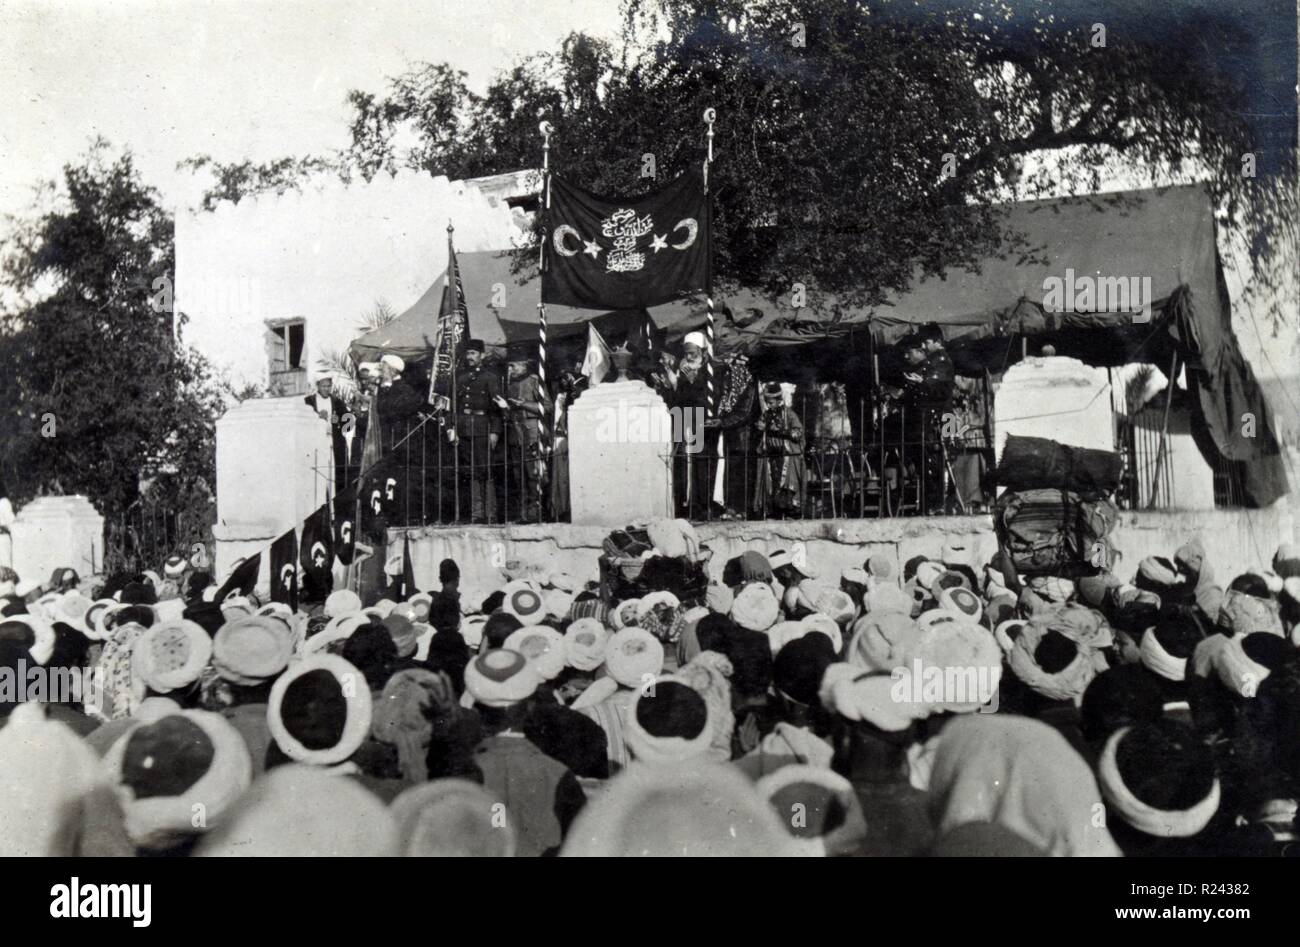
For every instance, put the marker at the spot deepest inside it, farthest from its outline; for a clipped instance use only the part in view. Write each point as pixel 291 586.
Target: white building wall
pixel 326 255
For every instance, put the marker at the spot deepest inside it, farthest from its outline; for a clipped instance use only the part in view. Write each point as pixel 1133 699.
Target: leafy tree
pixel 98 397
pixel 857 143
pixel 233 181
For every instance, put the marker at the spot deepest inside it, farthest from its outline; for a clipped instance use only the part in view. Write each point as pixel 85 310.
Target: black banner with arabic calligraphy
pixel 453 333
pixel 627 254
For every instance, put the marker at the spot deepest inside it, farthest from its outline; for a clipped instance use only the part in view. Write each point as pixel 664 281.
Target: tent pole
pixel 1164 428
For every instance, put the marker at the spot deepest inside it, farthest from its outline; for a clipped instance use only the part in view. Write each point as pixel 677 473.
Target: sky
pixel 236 79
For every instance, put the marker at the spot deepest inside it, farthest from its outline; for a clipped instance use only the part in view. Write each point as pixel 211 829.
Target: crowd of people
pixel 944 708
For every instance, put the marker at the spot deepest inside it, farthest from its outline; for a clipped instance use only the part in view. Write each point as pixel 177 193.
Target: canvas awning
pixel 1164 235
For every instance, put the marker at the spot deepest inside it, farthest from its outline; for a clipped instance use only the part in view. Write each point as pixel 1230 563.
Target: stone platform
pixel 1235 540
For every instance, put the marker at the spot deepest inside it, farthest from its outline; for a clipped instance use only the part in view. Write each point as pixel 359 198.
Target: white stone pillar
pixel 1054 397
pixel 620 446
pixel 55 532
pixel 273 468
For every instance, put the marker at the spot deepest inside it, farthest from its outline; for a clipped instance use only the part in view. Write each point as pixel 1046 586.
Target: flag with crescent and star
pixel 284 570
pixel 344 531
pixel 627 254
pixel 316 554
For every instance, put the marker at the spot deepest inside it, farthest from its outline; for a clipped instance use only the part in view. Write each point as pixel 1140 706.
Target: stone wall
pixel 51 532
pixel 326 254
pixel 1054 397
pixel 1235 540
pixel 273 468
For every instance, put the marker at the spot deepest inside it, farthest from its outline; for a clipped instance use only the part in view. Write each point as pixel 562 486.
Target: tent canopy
pixel 1164 235
pixel 502 299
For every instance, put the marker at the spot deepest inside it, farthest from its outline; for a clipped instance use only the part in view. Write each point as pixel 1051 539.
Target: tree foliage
pixel 858 144
pixel 97 397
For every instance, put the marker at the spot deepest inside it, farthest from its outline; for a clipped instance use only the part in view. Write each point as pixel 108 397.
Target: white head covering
pixel 342 602
pixel 692 808
pixel 542 646
pixel 632 655
pixel 304 811
pixel 45 770
pixel 584 644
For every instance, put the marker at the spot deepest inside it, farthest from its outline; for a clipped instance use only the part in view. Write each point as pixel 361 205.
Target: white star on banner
pixel 592 247
pixel 658 243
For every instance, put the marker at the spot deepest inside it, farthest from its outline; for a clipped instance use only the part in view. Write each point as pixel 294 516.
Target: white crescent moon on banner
pixel 558 240
pixel 286 575
pixel 692 228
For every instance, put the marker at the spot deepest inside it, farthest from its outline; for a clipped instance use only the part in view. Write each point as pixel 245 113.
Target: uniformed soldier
pixel 526 403
pixel 928 376
pixel 940 376
pixel 477 430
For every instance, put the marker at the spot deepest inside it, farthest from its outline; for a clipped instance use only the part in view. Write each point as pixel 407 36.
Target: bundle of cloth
pixel 661 555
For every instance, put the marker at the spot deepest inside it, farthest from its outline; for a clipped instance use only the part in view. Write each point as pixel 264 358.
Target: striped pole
pixel 709 116
pixel 541 360
pixel 708 354
pixel 543 421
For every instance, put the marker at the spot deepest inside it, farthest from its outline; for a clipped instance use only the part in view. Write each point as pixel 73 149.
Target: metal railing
pixel 876 462
pixel 880 464
pixel 1150 480
pixel 148 532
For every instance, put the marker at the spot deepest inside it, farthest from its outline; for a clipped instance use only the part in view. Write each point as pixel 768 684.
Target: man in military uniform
pixel 939 377
pixel 928 376
pixel 526 404
pixel 477 430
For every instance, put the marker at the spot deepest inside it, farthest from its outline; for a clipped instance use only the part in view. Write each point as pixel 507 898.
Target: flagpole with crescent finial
pixel 709 116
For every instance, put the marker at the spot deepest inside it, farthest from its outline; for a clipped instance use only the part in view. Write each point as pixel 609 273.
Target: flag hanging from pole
pixel 371 448
pixel 316 554
pixel 452 332
pixel 242 578
pixel 284 570
pixel 344 526
pixel 627 254
pixel 595 365
pixel 408 569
